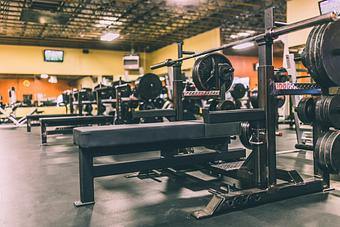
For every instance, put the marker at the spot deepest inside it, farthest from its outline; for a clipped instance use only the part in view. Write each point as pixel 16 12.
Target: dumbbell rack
pixel 262 160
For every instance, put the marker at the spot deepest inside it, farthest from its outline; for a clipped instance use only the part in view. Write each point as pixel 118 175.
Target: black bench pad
pixel 76 120
pixel 119 135
pixel 39 116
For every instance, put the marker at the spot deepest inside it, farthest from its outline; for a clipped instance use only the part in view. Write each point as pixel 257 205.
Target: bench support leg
pixel 28 125
pixel 85 178
pixel 43 134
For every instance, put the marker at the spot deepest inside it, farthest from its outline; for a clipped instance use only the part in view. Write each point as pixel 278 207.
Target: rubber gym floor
pixel 39 184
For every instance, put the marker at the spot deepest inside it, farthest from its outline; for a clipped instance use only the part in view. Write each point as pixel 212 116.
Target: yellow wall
pixel 203 41
pixel 299 10
pixel 29 60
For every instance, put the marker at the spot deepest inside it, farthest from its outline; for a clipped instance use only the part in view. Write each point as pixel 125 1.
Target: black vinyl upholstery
pixel 76 120
pixel 118 135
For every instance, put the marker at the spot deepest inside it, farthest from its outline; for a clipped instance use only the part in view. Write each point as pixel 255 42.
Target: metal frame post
pixel 266 99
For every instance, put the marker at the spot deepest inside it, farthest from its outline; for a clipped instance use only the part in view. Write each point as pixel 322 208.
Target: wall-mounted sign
pixel 26 83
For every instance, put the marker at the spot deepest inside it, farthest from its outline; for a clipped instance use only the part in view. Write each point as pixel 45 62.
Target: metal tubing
pixel 272 33
pixel 304 24
pixel 178 91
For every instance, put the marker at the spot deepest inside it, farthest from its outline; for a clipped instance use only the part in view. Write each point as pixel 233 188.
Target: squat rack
pixel 265 161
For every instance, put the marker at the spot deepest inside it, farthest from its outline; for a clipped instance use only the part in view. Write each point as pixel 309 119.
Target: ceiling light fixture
pixel 44 76
pixel 108 37
pixel 243 46
pixel 53 80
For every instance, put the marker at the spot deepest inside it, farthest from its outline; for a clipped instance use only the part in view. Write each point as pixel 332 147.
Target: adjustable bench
pixel 72 122
pixel 33 120
pixel 166 137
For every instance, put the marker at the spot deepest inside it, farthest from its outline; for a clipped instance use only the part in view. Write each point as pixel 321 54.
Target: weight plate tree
pixel 328 150
pixel 149 86
pixel 322 54
pixel 327 111
pixel 213 71
pixel 306 110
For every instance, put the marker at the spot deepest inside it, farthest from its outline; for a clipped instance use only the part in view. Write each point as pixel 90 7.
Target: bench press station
pixel 258 174
pixel 70 122
pixel 34 119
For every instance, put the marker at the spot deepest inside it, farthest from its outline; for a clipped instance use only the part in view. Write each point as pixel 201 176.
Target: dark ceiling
pixel 144 25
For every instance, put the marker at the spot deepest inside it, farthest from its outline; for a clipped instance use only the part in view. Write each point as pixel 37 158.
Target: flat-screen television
pixel 328 6
pixel 53 55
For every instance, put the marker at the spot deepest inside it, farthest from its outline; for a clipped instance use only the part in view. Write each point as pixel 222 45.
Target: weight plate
pixel 159 102
pixel 310 56
pixel 147 105
pixel 213 104
pixel 319 149
pixel 238 104
pixel 318 109
pixel 306 55
pixel 333 112
pixel 335 152
pixel 330 52
pixel 245 134
pixel 280 101
pixel 318 62
pixel 205 72
pixel 238 91
pixel 306 110
pixel 327 151
pixel 149 86
pixel 318 77
pixel 226 105
pixel 254 100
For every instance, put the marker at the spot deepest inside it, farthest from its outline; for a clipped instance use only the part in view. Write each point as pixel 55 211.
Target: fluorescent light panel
pixel 108 37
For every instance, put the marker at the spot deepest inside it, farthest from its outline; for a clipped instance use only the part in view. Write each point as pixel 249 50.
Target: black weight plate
pixel 324 111
pixel 306 110
pixel 335 152
pixel 238 91
pixel 310 56
pixel 280 101
pixel 245 134
pixel 238 104
pixel 159 102
pixel 254 99
pixel 320 148
pixel 205 73
pixel 300 111
pixel 226 105
pixel 213 104
pixel 322 80
pixel 318 63
pixel 333 112
pixel 149 86
pixel 147 105
pixel 318 109
pixel 306 55
pixel 327 151
pixel 330 48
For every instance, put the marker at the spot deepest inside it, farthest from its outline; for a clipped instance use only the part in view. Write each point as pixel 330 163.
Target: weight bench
pixel 166 137
pixel 72 122
pixel 34 119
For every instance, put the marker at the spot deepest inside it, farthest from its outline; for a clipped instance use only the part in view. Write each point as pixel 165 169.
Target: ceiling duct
pixel 51 5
